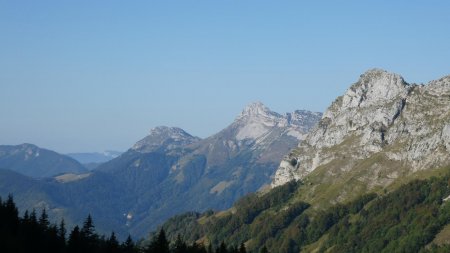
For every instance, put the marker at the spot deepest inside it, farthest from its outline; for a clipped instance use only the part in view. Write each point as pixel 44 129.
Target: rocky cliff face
pixel 380 130
pixel 266 134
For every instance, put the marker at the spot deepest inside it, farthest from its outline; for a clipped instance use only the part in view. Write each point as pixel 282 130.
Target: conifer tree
pixel 242 248
pixel 62 230
pixel 43 220
pixel 264 250
pixel 112 245
pixel 210 249
pixel 74 242
pixel 128 246
pixel 88 229
pixel 89 239
pixel 11 215
pixel 159 244
pixel 61 235
pixel 33 219
pixel 222 248
pixel 179 245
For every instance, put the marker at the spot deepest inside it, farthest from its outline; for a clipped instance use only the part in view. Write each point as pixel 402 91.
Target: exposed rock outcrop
pixel 381 126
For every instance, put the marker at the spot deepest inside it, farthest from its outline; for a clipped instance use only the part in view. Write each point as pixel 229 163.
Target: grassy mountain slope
pixel 406 219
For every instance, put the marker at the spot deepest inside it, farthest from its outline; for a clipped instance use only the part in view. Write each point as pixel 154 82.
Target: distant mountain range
pixel 36 162
pixel 94 159
pixel 170 171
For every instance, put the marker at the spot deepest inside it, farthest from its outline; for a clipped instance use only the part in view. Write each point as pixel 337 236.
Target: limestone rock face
pixel 406 127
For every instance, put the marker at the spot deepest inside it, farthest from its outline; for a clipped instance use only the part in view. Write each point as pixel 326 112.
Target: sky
pixel 85 76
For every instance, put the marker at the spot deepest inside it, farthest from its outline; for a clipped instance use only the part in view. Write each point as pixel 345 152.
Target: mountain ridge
pixel 211 172
pixel 170 171
pixel 30 160
pixel 381 130
pixel 360 181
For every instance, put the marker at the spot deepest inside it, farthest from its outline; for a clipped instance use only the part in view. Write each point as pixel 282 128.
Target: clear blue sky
pixel 96 75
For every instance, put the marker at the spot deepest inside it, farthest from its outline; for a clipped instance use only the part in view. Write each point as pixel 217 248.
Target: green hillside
pixel 406 219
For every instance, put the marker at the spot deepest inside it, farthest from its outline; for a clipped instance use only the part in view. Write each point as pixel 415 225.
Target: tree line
pixel 35 233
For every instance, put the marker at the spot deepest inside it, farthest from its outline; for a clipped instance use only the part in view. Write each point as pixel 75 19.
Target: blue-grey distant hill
pixel 170 171
pixel 30 160
pixel 94 159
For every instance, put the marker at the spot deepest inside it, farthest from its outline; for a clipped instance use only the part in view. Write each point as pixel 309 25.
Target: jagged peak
pixel 443 81
pixel 378 76
pixel 164 137
pixel 373 86
pixel 257 110
pixel 165 130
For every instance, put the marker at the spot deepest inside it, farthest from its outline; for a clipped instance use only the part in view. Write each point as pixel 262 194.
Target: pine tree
pixel 242 248
pixel 179 246
pixel 112 245
pixel 26 217
pixel 210 249
pixel 74 242
pixel 89 239
pixel 33 219
pixel 222 248
pixel 62 230
pixel 51 241
pixel 264 250
pixel 159 244
pixel 128 246
pixel 61 235
pixel 43 220
pixel 11 215
pixel 88 229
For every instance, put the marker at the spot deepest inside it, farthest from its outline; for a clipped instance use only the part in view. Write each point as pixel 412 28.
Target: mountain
pixel 170 171
pixel 93 160
pixel 95 157
pixel 36 162
pixel 415 217
pixel 371 176
pixel 164 139
pixel 381 131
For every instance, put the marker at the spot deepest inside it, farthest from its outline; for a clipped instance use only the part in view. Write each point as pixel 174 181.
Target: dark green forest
pixel 404 220
pixel 35 233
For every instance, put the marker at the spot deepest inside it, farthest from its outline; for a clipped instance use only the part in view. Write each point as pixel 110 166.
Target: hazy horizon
pixel 88 77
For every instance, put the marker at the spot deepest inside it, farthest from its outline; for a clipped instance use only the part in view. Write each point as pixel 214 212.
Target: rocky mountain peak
pixel 380 122
pixel 373 87
pixel 256 121
pixel 257 110
pixel 439 87
pixel 173 132
pixel 164 138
